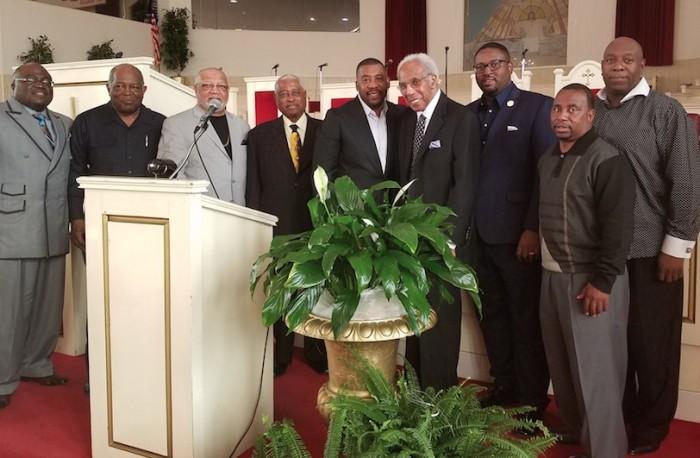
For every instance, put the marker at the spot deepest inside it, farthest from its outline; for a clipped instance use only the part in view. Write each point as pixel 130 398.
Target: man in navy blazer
pixel 281 185
pixel 444 163
pixel 359 138
pixel 514 132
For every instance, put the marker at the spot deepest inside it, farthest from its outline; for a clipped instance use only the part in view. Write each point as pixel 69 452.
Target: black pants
pixel 654 350
pixel 314 349
pixel 511 322
pixel 435 354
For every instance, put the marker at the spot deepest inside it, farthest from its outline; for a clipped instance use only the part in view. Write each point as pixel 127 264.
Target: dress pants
pixel 587 358
pixel 654 342
pixel 435 354
pixel 31 310
pixel 511 322
pixel 314 349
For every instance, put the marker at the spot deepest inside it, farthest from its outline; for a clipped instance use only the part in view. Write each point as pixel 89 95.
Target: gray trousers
pixel 31 309
pixel 587 359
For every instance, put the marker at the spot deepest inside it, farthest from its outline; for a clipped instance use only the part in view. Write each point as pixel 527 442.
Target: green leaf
pixel 321 234
pixel 405 233
pixel 302 305
pixel 276 302
pixel 305 275
pixel 349 197
pixel 388 269
pixel 345 306
pixel 331 254
pixel 362 263
pixel 412 265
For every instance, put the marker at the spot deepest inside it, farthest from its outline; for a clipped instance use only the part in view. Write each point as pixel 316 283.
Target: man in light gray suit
pixel 34 163
pixel 219 156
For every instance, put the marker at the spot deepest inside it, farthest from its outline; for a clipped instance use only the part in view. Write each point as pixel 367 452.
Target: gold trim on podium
pixel 689 316
pixel 165 223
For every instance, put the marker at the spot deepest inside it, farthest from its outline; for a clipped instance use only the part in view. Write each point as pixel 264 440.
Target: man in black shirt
pixel 118 138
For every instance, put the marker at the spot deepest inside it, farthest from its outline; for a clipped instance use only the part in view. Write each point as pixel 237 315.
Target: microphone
pixel 214 105
pixel 276 66
pixel 524 52
pixel 447 48
pixel 161 167
pixel 320 67
pixel 388 62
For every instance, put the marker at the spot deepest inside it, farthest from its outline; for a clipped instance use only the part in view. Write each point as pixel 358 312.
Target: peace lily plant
pixel 400 245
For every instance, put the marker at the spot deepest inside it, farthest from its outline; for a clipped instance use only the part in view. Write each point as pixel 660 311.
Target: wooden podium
pixel 176 343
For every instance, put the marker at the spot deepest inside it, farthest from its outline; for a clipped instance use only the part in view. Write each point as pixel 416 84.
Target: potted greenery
pixel 41 51
pixel 175 45
pixel 101 51
pixel 400 246
pixel 412 423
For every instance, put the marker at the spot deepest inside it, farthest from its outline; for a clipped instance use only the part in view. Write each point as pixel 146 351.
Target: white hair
pixel 425 60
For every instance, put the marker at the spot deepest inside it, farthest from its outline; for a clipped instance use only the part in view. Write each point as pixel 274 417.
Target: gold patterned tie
pixel 295 146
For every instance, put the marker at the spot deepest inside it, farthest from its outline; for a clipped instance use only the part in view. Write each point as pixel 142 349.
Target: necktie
pixel 295 146
pixel 417 140
pixel 44 128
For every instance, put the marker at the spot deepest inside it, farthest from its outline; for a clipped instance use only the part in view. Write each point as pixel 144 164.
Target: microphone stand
pixel 447 48
pixel 197 136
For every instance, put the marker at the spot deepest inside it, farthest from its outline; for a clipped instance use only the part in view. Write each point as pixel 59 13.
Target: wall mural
pixel 538 27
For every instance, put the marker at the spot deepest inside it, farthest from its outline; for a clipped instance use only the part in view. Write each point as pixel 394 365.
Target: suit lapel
pixel 307 148
pixel 61 140
pixel 363 134
pixel 434 126
pixel 504 114
pixel 280 138
pixel 30 126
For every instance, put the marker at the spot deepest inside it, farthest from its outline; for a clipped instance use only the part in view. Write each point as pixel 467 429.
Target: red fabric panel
pixel 265 107
pixel 595 91
pixel 405 30
pixel 314 106
pixel 650 22
pixel 402 101
pixel 335 103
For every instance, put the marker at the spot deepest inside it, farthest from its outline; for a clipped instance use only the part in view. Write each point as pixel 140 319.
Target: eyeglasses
pixel 33 81
pixel 414 83
pixel 209 87
pixel 493 65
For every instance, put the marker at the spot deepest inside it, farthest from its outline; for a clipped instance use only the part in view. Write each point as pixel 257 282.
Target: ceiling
pixel 282 15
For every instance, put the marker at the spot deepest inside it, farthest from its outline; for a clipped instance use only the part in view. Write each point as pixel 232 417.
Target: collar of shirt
pixel 301 123
pixel 642 88
pixel 580 146
pixel 501 97
pixel 47 118
pixel 370 112
pixel 430 108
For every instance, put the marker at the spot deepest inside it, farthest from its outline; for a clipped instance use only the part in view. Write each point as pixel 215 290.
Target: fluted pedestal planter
pixel 377 341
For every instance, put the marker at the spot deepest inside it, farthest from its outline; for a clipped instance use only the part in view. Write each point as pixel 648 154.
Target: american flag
pixel 152 18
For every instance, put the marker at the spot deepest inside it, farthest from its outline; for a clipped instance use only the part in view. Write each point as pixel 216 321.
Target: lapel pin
pixel 510 103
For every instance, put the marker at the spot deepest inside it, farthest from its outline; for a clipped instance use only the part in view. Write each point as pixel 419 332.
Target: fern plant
pixel 410 422
pixel 175 46
pixel 280 440
pixel 101 51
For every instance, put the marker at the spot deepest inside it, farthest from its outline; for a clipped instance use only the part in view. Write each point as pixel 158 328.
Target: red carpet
pixel 54 422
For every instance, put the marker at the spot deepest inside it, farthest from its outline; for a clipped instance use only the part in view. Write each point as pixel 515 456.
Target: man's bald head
pixel 622 67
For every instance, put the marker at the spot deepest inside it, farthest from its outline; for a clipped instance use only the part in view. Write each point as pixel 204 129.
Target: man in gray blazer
pixel 34 163
pixel 219 155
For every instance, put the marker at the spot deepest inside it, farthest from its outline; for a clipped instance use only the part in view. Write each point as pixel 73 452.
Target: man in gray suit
pixel 34 163
pixel 219 155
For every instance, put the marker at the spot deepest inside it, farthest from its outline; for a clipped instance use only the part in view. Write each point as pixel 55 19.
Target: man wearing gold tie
pixel 279 182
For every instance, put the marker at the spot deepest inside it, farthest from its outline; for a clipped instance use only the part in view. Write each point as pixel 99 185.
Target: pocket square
pixel 511 128
pixel 434 144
